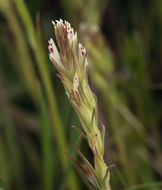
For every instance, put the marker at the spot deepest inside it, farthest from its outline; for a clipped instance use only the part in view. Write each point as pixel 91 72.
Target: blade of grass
pixel 145 185
pixel 4 169
pixel 46 139
pixel 25 61
pixel 117 175
pixel 42 63
pixel 13 153
pixel 45 74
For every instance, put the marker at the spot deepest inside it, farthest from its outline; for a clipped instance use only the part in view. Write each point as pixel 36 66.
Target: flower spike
pixel 72 65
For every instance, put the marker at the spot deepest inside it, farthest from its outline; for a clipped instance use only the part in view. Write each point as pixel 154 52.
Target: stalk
pixel 27 68
pixel 25 64
pixel 71 62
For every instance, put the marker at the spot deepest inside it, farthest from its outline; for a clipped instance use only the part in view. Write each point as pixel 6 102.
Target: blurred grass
pixel 25 61
pixel 124 67
pixel 48 173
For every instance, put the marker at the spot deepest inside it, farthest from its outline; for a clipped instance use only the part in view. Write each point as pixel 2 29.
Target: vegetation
pixel 123 41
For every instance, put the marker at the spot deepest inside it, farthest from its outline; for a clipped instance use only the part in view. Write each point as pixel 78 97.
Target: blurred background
pixel 124 43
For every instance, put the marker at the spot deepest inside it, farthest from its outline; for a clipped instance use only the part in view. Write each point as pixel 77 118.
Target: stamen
pixel 82 53
pixel 51 50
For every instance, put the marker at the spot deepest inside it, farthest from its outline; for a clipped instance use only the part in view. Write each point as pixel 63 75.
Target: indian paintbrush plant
pixel 72 65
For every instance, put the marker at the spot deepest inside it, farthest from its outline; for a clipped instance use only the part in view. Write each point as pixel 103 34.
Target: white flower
pixel 82 54
pixel 72 55
pixel 75 82
pixel 53 52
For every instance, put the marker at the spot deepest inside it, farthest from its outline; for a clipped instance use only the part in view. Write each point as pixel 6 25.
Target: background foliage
pixel 124 45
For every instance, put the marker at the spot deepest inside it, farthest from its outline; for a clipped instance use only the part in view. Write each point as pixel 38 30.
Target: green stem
pixel 25 61
pixel 42 63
